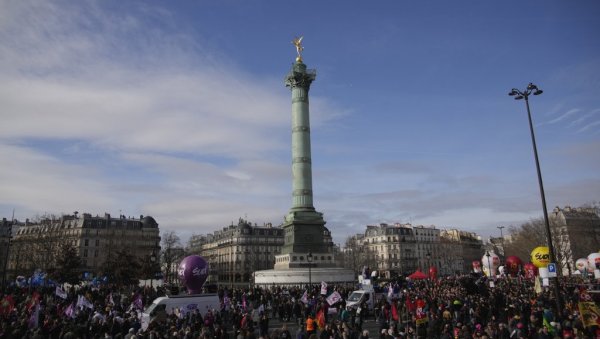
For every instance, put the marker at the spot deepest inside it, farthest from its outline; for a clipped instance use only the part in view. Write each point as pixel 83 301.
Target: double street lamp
pixel 519 95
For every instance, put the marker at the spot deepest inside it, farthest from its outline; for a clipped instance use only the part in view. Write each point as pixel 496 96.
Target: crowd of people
pixel 468 306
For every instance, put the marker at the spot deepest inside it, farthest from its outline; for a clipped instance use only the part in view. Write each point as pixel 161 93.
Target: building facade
pixel 35 244
pixel 577 234
pixel 235 252
pixel 392 250
pixel 6 230
pixel 401 249
pixel 460 249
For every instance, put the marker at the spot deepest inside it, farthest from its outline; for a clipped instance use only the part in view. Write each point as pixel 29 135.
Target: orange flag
pixel 321 319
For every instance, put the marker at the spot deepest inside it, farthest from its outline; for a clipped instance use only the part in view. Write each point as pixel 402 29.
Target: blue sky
pixel 178 110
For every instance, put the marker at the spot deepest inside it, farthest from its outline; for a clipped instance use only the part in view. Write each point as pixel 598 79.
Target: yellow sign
pixel 540 256
pixel 590 314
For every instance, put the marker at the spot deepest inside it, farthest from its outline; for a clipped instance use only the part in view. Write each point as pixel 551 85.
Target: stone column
pixel 299 80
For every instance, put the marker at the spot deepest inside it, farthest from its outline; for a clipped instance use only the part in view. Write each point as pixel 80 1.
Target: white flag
pixel 60 292
pixel 334 298
pixel 83 302
pixel 323 288
pixel 304 298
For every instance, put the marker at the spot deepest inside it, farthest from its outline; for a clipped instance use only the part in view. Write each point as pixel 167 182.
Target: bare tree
pixel 569 241
pixel 525 238
pixel 351 255
pixel 68 265
pixel 171 253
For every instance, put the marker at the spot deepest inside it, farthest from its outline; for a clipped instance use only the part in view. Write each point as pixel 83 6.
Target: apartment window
pixel 86 242
pixel 85 253
pixel 97 242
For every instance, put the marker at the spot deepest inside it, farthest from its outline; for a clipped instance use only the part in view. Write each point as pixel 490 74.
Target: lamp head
pixel 538 92
pixel 531 86
pixel 513 92
pixel 519 97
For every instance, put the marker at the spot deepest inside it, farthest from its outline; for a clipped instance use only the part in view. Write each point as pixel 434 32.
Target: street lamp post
pixel 501 238
pixel 7 255
pixel 152 269
pixel 428 266
pixel 309 258
pixel 533 89
pixel 5 263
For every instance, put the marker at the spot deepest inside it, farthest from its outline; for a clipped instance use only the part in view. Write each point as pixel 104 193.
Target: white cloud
pixel 155 121
pixel 32 182
pixel 200 133
pixel 589 126
pixel 564 116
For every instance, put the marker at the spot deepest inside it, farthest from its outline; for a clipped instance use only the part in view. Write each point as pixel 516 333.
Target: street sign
pixel 552 270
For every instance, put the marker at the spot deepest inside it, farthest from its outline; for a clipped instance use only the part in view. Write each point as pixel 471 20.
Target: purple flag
pixel 70 311
pixel 137 302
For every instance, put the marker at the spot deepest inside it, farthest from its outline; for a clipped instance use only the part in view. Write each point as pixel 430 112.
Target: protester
pixel 466 306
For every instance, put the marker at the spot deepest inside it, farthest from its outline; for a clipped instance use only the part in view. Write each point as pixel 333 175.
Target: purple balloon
pixel 193 271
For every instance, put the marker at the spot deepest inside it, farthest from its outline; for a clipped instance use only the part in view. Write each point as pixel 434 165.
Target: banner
pixel 334 298
pixel 590 313
pixel 323 288
pixel 420 315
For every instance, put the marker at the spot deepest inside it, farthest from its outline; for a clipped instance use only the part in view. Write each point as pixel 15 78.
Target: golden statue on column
pixel 298 43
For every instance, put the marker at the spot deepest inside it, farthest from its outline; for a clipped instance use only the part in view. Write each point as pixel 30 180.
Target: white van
pixel 356 299
pixel 367 296
pixel 163 306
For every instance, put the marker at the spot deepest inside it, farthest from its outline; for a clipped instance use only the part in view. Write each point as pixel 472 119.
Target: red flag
pixel 33 300
pixel 410 305
pixel 321 319
pixel 7 305
pixel 394 312
pixel 420 315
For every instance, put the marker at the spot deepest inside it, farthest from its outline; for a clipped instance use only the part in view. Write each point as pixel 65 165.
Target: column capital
pixel 299 76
